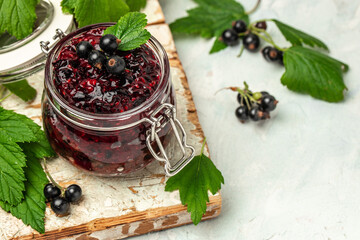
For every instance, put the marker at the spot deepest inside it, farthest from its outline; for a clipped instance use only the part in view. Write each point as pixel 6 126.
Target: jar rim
pixel 153 43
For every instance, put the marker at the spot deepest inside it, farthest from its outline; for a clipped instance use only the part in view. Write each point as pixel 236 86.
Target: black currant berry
pixel 239 99
pixel 230 37
pixel 83 49
pixel 268 103
pixel 96 59
pixel 264 93
pixel 261 25
pixel 271 54
pixel 73 193
pixel 109 43
pixel 251 42
pixel 115 65
pixel 51 191
pixel 281 57
pixel 265 115
pixel 239 26
pixel 242 113
pixel 60 206
pixel 255 113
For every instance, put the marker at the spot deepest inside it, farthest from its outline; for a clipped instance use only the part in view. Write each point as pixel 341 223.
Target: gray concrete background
pixel 296 176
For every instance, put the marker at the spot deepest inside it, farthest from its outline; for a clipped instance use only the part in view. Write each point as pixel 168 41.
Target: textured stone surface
pixel 294 177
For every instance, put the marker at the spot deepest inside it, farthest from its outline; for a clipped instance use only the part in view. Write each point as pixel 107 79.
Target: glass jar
pixel 119 143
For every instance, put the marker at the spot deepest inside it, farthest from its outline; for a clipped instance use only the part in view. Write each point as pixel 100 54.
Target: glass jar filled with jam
pixel 111 124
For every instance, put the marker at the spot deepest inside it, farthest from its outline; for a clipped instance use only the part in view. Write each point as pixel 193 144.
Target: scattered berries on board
pixel 51 192
pixel 73 193
pixel 60 199
pixel 60 206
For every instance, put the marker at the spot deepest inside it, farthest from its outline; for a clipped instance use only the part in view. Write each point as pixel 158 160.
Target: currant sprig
pixel 254 105
pixel 59 197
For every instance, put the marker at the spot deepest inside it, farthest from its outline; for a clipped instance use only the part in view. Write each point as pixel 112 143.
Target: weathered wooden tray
pixel 117 208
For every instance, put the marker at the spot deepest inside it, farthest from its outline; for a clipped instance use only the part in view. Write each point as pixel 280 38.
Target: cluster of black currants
pixel 255 106
pixel 240 30
pixel 60 200
pixel 250 39
pixel 109 44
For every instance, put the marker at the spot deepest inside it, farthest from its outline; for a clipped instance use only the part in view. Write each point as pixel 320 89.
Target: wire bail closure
pixel 157 124
pixel 45 46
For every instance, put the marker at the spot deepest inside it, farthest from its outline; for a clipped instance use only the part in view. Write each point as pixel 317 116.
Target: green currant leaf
pixel 136 5
pixel 314 73
pixel 18 127
pixel 210 18
pixel 130 29
pixel 32 209
pixel 39 149
pixel 297 37
pixel 194 182
pixel 68 6
pixel 218 46
pixel 17 17
pixel 12 177
pixel 97 11
pixel 22 89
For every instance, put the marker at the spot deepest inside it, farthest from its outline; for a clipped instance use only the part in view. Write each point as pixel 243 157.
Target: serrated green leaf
pixel 297 37
pixel 136 5
pixel 194 182
pixel 314 73
pixel 210 18
pixel 12 177
pixel 218 46
pixel 17 127
pixel 32 209
pixel 130 29
pixel 97 11
pixel 68 6
pixel 22 89
pixel 40 149
pixel 17 17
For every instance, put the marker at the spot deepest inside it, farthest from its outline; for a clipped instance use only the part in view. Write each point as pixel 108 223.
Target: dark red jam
pixel 97 91
pixel 105 153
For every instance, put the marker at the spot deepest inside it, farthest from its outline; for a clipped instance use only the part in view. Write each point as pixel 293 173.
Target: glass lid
pixel 22 58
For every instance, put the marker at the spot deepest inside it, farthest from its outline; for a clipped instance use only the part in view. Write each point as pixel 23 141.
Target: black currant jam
pixel 94 119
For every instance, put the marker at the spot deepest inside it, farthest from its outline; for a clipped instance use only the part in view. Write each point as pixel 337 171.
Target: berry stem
pixel 243 34
pixel 241 51
pixel 269 40
pixel 254 8
pixel 247 103
pixel 243 94
pixel 1 100
pixel 51 178
pixel 2 90
pixel 203 146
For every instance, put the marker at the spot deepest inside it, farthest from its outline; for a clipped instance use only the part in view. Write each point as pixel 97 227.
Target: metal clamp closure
pixel 45 46
pixel 158 122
